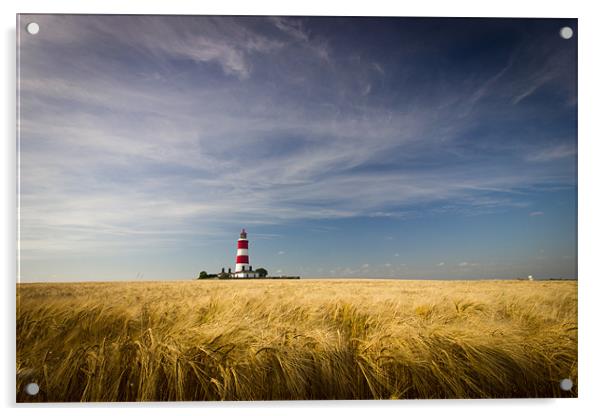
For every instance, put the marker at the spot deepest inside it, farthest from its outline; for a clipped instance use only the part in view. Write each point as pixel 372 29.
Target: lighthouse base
pixel 245 274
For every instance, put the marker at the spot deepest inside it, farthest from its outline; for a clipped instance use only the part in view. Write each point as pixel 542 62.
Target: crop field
pixel 300 339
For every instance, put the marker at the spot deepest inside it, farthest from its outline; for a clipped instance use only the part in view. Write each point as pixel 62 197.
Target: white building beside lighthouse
pixel 243 267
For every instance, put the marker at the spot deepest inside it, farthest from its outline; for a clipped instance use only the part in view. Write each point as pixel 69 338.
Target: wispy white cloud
pixel 378 67
pixel 552 153
pixel 224 41
pixel 295 28
pixel 291 26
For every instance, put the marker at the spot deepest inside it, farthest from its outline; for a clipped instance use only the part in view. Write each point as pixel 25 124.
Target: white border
pixel 590 176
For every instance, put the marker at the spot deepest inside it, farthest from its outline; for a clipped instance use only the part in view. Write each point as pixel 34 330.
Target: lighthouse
pixel 243 268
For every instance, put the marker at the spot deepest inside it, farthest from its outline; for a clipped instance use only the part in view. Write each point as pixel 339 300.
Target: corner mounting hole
pixel 32 389
pixel 566 32
pixel 566 384
pixel 32 28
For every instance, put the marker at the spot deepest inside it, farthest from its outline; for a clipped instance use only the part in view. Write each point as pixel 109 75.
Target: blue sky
pixel 347 147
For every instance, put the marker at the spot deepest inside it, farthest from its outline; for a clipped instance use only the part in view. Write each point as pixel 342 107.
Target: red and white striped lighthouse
pixel 243 268
pixel 242 253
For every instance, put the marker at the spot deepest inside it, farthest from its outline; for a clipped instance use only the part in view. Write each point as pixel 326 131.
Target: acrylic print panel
pixel 296 208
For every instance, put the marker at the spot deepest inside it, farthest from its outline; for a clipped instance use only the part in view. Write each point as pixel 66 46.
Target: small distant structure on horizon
pixel 530 278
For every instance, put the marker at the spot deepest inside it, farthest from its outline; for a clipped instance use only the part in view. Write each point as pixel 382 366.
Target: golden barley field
pixel 298 339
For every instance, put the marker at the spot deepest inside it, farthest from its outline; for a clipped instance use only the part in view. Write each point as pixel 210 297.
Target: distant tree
pixel 262 272
pixel 203 275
